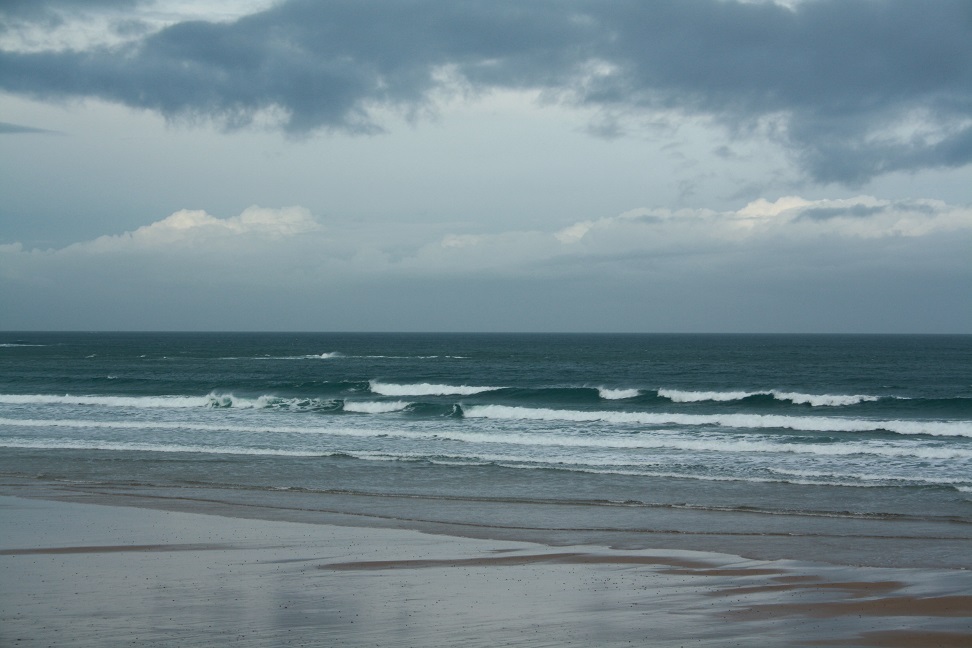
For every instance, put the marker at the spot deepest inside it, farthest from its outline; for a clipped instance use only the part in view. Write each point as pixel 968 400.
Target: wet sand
pixel 100 574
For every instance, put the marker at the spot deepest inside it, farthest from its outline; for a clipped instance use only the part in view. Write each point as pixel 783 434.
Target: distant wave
pixel 337 354
pixel 314 356
pixel 426 389
pixel 815 400
pixel 808 423
pixel 7 345
pixel 411 357
pixel 608 393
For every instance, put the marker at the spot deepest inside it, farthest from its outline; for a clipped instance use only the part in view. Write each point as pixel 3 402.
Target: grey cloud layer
pixel 854 88
pixel 860 264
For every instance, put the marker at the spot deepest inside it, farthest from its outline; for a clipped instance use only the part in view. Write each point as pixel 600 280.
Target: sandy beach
pixel 93 572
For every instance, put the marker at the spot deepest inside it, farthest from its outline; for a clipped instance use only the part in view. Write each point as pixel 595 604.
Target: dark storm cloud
pixel 832 78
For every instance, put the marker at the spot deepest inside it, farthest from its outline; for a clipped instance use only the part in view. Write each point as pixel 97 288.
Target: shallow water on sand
pixel 96 575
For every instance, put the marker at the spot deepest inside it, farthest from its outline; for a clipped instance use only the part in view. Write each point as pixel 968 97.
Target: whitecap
pixel 679 396
pixel 426 389
pixel 608 393
pixel 822 400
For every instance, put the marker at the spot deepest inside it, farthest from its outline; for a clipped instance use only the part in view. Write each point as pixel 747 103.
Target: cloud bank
pixel 788 264
pixel 852 88
pixel 301 240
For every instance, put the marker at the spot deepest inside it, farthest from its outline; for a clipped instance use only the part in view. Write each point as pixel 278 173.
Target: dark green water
pixel 737 436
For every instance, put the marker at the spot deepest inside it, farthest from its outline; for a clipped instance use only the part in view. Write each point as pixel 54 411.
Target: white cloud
pixel 268 245
pixel 574 233
pixel 196 227
pixel 763 208
pixel 790 217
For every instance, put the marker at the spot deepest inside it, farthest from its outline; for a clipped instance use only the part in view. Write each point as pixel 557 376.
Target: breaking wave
pixel 617 394
pixel 426 389
pixel 815 400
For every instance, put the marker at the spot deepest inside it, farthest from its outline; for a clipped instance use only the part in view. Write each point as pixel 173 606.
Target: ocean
pixel 852 449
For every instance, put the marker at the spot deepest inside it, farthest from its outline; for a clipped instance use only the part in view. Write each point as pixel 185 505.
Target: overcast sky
pixel 464 165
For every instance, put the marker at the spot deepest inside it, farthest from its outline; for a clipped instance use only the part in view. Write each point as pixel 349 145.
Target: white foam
pixel 617 394
pixel 212 399
pixel 426 389
pixel 180 426
pixel 107 401
pixel 678 396
pixel 822 400
pixel 807 423
pixel 77 444
pixel 870 477
pixel 375 407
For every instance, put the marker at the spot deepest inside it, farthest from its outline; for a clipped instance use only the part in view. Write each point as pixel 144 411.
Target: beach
pixel 84 568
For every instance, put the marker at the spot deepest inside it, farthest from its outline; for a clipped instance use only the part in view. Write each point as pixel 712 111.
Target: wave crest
pixel 678 396
pixel 426 389
pixel 823 400
pixel 814 400
pixel 617 394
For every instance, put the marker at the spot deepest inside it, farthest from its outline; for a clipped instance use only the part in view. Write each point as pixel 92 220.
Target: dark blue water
pixel 789 428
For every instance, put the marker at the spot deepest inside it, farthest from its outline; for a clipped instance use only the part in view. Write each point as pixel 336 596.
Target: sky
pixel 486 165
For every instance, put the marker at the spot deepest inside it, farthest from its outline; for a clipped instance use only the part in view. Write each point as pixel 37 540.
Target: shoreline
pixel 109 569
pixel 834 540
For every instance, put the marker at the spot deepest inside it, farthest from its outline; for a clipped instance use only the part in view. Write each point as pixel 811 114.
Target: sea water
pixel 667 438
